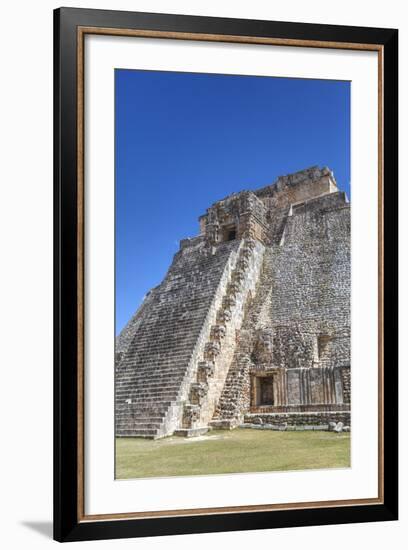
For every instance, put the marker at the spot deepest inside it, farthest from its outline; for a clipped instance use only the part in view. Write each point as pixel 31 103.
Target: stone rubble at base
pixel 251 324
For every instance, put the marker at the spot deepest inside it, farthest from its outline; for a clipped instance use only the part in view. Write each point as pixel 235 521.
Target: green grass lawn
pixel 223 452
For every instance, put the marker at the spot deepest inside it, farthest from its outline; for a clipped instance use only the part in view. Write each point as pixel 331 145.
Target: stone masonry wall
pixel 298 328
pixel 310 286
pixel 298 419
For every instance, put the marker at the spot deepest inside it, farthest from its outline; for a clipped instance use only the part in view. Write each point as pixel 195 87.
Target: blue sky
pixel 184 141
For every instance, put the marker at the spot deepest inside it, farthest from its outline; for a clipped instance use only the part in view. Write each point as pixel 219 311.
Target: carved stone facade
pixel 252 321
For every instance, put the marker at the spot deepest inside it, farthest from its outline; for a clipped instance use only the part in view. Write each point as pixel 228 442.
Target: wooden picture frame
pixel 70 519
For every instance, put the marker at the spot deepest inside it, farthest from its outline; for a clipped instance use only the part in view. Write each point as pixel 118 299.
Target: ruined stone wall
pixel 310 286
pixel 298 327
pixel 298 187
pixel 244 212
pixel 298 419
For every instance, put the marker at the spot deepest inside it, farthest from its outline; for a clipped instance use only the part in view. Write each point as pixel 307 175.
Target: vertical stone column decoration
pixel 213 233
pixel 212 370
pixel 253 221
pixel 345 378
pixel 205 371
pixel 338 386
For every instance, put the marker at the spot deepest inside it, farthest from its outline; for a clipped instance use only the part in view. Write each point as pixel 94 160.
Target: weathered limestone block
pixel 346 382
pixel 205 371
pixel 212 349
pixel 217 333
pixel 198 392
pixel 234 288
pixel 213 232
pixel 191 415
pixel 229 302
pixel 293 348
pixel 327 419
pixel 238 276
pixel 223 316
pixel 250 243
pixel 243 263
pixel 246 252
pixel 264 347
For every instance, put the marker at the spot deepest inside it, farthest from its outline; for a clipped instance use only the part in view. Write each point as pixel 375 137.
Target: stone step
pixel 153 370
pixel 149 362
pixel 146 432
pixel 155 318
pixel 157 404
pixel 148 404
pixel 156 362
pixel 143 336
pixel 147 396
pixel 131 424
pixel 154 323
pixel 143 407
pixel 159 381
pixel 163 353
pixel 138 419
pixel 156 418
pixel 166 353
pixel 143 398
pixel 141 401
pixel 170 379
pixel 139 397
pixel 141 386
pixel 156 370
pixel 144 415
pixel 133 389
pixel 176 339
pixel 154 367
pixel 146 383
pixel 120 388
pixel 156 326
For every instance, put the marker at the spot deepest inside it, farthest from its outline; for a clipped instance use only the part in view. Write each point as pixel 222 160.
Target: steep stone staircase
pixel 235 395
pixel 206 388
pixel 154 372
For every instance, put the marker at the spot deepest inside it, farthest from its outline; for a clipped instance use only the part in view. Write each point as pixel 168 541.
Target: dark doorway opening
pixel 229 232
pixel 232 235
pixel 266 391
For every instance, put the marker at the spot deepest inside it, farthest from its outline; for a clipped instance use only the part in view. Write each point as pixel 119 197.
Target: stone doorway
pixel 264 391
pixel 266 396
pixel 229 233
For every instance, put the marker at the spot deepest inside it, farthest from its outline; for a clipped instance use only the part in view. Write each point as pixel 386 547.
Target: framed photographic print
pixel 225 274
